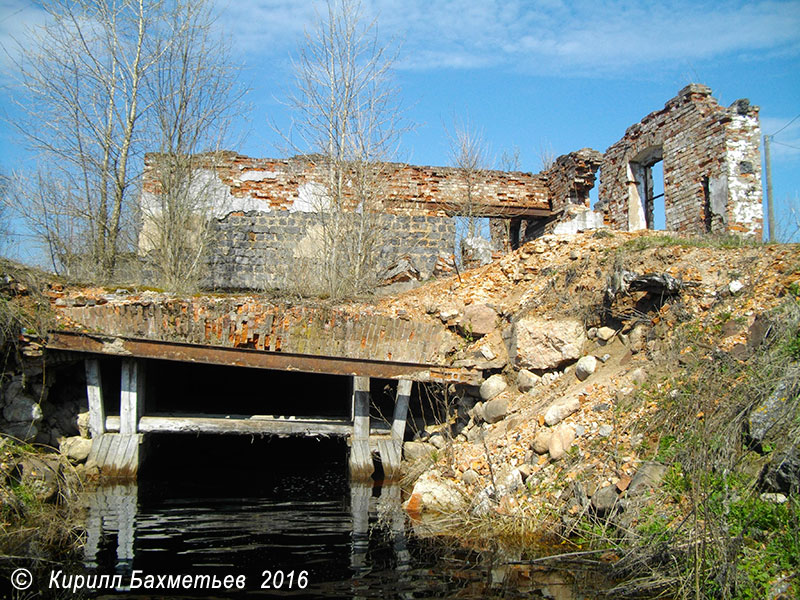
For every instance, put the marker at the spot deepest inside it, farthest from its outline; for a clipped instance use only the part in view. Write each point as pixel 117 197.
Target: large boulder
pixel 605 499
pixel 782 474
pixel 648 476
pixel 493 386
pixel 22 409
pixel 433 493
pixel 495 410
pixel 542 345
pixel 478 320
pixel 22 430
pixel 526 380
pixel 19 406
pixel 585 367
pixel 769 417
pixel 604 334
pixel 560 441
pixel 541 442
pixel 76 448
pixel 40 475
pixel 413 451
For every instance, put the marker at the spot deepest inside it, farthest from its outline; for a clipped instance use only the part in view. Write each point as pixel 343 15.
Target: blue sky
pixel 532 74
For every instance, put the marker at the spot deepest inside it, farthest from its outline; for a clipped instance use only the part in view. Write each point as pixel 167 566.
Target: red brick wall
pixel 277 184
pixel 708 150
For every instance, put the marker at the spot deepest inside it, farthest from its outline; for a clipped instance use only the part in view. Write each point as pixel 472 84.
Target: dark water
pixel 287 523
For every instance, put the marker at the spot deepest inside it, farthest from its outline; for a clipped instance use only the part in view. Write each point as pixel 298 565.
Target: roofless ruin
pixel 267 213
pixel 266 221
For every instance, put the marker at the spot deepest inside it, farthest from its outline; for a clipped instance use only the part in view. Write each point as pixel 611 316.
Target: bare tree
pixel 98 82
pixel 5 228
pixel 510 159
pixel 547 156
pixel 469 154
pixel 194 95
pixel 348 124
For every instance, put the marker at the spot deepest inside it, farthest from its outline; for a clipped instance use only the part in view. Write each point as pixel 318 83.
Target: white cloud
pixel 16 17
pixel 547 36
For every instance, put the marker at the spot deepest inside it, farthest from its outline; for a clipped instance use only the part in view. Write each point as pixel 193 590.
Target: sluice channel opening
pixel 165 397
pixel 200 389
pixel 225 466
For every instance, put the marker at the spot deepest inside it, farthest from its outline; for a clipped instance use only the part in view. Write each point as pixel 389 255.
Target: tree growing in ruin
pixel 468 152
pixel 347 122
pixel 101 81
pixel 194 95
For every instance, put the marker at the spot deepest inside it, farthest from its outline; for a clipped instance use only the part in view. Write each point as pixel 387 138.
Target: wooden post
pixel 770 205
pixel 131 396
pixel 392 450
pixel 361 466
pixel 94 394
pixel 401 409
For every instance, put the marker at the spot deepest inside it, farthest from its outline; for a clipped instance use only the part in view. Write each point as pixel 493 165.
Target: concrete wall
pixel 253 323
pixel 711 165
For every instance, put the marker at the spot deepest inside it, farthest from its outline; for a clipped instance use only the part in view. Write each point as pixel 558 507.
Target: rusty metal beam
pixel 501 211
pixel 259 359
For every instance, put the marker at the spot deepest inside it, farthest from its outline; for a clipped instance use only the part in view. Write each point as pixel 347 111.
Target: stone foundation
pixel 280 249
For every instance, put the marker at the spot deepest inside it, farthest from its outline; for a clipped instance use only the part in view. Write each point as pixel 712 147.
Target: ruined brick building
pixel 265 208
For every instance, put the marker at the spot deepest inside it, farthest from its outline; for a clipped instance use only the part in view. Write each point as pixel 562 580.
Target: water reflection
pixel 111 513
pixel 352 540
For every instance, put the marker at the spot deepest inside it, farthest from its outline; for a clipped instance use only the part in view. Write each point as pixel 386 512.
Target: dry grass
pixel 707 533
pixel 34 528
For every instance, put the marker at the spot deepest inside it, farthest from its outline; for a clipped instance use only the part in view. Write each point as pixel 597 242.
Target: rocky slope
pixel 600 351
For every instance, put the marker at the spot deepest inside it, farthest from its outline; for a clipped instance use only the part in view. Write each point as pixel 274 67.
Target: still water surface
pixel 292 522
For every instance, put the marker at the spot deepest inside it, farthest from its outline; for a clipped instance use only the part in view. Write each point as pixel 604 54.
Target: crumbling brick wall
pixel 266 210
pixel 711 165
pixel 571 178
pixel 568 182
pixel 241 183
pixel 267 217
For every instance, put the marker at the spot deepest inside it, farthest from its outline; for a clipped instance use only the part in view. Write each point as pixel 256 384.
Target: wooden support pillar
pixel 401 409
pixel 131 400
pixel 94 394
pixel 392 452
pixel 361 466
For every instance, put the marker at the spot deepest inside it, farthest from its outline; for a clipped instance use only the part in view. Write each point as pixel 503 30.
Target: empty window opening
pixel 647 193
pixel 654 209
pixel 594 193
